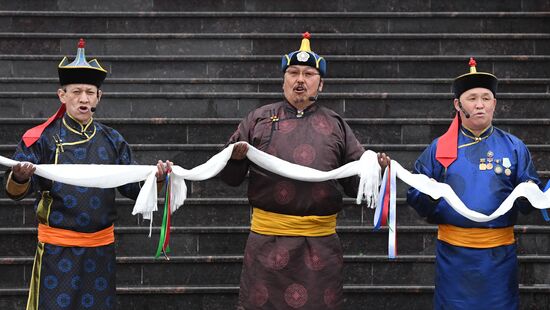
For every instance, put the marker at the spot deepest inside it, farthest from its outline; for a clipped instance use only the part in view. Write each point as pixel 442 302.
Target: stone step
pixel 242 44
pixel 262 66
pixel 146 7
pixel 231 240
pixel 263 85
pixel 350 18
pixel 217 131
pixel 397 297
pixel 239 104
pixel 225 270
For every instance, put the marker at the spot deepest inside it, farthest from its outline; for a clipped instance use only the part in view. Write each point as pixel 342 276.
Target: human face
pixel 79 99
pixel 300 83
pixel 480 103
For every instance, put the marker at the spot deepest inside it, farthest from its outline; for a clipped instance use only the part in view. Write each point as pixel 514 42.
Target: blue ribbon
pixel 544 211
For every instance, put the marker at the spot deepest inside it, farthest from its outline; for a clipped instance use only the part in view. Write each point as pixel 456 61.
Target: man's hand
pixel 239 151
pixel 383 160
pixel 22 172
pixel 163 169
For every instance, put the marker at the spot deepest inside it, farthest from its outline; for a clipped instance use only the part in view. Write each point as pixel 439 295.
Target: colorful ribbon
pixel 381 212
pixel 164 239
pixel 386 209
pixel 392 226
pixel 545 211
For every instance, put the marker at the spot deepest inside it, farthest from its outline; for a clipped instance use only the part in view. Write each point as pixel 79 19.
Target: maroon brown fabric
pixel 291 273
pixel 294 272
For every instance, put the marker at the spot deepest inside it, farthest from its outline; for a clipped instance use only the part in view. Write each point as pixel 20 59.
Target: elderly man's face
pixel 480 103
pixel 79 99
pixel 300 83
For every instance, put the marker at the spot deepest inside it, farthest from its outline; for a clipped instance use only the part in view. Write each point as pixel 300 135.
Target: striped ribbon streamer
pixel 544 211
pixel 392 234
pixel 164 239
pixel 386 211
pixel 382 209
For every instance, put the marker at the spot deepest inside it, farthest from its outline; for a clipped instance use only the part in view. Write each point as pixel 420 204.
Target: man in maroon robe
pixel 293 257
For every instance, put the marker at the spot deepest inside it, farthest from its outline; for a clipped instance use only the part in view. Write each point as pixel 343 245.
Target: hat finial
pixel 81 43
pixel 305 47
pixel 472 65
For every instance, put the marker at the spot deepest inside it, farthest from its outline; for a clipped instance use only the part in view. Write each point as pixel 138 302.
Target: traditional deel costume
pixel 293 257
pixel 74 266
pixel 476 263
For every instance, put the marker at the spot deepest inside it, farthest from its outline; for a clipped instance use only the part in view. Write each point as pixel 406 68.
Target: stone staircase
pixel 183 74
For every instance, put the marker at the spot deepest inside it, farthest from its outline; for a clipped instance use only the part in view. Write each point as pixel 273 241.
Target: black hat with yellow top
pixel 305 57
pixel 474 79
pixel 81 71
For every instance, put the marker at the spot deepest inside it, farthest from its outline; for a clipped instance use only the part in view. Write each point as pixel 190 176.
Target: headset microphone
pixel 462 109
pixel 93 109
pixel 313 99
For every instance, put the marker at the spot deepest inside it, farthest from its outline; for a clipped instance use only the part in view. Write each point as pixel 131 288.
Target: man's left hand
pixel 162 169
pixel 383 160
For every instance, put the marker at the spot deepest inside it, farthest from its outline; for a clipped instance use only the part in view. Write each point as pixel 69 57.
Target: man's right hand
pixel 22 172
pixel 239 151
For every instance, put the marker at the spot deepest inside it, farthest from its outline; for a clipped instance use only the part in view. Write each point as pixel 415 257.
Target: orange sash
pixel 69 238
pixel 479 238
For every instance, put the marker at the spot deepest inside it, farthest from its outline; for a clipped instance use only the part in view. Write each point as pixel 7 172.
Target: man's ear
pixel 99 93
pixel 61 94
pixel 455 103
pixel 321 83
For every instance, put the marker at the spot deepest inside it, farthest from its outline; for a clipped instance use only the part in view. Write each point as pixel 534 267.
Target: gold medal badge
pixel 482 165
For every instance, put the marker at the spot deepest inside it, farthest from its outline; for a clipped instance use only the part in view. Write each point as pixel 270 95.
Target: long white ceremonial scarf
pixel 108 176
pixel 436 190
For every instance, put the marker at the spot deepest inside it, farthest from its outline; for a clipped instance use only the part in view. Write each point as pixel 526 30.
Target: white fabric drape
pixel 108 176
pixel 436 190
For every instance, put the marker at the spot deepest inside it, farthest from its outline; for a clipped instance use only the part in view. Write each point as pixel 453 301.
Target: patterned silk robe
pixel 75 277
pixel 486 171
pixel 285 272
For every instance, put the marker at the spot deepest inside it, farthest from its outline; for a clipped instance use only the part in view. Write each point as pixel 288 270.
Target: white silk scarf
pixel 367 168
pixel 109 176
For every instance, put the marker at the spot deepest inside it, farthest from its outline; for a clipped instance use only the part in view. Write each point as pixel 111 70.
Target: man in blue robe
pixel 476 263
pixel 74 265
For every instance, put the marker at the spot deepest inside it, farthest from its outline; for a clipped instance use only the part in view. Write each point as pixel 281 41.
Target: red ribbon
pixel 447 145
pixel 32 135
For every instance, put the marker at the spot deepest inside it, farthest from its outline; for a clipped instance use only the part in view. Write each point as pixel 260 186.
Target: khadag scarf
pixel 108 176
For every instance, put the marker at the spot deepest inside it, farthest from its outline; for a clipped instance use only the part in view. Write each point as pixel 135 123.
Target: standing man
pixel 74 266
pixel 293 257
pixel 476 263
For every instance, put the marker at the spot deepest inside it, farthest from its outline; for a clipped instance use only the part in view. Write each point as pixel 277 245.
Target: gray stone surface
pixel 398 101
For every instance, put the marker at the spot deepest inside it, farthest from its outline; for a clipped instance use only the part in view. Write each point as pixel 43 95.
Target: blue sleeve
pixel 424 205
pixel 32 155
pixel 525 172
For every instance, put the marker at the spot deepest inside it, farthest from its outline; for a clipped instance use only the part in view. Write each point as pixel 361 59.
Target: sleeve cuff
pixel 16 189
